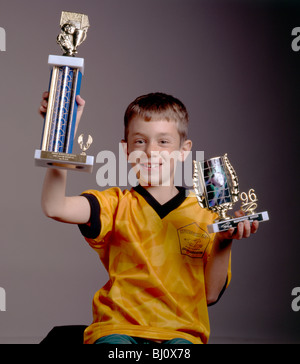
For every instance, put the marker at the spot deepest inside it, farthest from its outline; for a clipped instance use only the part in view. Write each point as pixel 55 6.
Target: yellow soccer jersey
pixel 155 256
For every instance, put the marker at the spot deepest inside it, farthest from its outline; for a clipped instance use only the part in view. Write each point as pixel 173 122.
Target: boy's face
pixel 153 148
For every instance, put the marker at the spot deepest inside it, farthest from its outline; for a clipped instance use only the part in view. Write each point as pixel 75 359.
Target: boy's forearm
pixel 216 268
pixel 55 203
pixel 54 192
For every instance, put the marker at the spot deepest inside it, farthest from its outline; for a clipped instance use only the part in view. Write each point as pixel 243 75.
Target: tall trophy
pixel 65 82
pixel 217 189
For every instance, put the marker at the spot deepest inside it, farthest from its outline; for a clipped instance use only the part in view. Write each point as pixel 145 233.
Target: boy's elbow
pixel 214 295
pixel 50 212
pixel 211 299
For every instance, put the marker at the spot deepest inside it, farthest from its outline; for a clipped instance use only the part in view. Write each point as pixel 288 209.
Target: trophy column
pixel 60 120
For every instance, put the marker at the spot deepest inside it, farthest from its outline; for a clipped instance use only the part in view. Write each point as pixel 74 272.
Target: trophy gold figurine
pixel 65 82
pixel 217 189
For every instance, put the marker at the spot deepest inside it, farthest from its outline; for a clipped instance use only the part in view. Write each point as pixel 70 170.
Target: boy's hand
pixel 44 104
pixel 81 103
pixel 243 230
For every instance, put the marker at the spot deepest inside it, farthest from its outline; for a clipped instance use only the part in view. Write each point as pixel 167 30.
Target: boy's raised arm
pixel 55 203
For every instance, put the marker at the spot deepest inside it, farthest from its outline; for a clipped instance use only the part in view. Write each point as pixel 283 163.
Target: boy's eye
pixel 164 141
pixel 139 141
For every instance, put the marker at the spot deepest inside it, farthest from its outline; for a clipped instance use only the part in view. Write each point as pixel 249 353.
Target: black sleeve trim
pixel 93 228
pixel 221 293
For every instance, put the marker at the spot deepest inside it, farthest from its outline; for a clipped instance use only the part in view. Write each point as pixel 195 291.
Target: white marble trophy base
pixel 75 162
pixel 225 225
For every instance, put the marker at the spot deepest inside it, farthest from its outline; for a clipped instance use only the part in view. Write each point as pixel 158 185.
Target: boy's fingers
pixel 44 103
pixel 239 213
pixel 80 100
pixel 45 95
pixel 247 229
pixel 244 229
pixel 42 111
pixel 231 232
pixel 240 231
pixel 227 235
pixel 254 227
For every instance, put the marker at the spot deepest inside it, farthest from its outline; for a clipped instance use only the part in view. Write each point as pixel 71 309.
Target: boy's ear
pixel 185 150
pixel 125 148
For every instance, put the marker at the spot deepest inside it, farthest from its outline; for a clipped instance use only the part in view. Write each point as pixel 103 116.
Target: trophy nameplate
pixel 217 189
pixel 65 81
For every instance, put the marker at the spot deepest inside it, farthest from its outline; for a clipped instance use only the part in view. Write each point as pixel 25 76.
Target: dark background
pixel 232 64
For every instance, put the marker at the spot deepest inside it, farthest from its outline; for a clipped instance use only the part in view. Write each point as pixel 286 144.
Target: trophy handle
pixel 234 180
pixel 79 37
pixel 198 184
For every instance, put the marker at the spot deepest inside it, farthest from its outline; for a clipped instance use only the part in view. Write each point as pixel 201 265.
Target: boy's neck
pixel 162 194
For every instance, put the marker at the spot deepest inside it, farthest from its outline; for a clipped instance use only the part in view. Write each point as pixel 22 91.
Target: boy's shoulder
pixel 109 193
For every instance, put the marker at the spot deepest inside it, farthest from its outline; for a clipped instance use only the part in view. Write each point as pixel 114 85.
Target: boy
pixel 164 268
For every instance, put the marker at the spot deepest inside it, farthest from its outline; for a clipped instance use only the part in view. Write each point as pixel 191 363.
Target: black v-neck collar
pixel 165 209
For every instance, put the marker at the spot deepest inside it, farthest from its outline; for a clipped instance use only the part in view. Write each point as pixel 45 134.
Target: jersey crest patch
pixel 193 240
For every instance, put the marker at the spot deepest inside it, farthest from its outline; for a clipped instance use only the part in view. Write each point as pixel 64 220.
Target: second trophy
pixel 217 189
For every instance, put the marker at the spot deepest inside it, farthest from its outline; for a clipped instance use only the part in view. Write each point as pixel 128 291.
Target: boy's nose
pixel 151 150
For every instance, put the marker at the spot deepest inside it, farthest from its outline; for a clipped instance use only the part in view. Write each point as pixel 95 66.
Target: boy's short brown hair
pixel 158 106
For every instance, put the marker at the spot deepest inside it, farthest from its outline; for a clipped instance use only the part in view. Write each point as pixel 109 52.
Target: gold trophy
pixel 217 189
pixel 65 82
